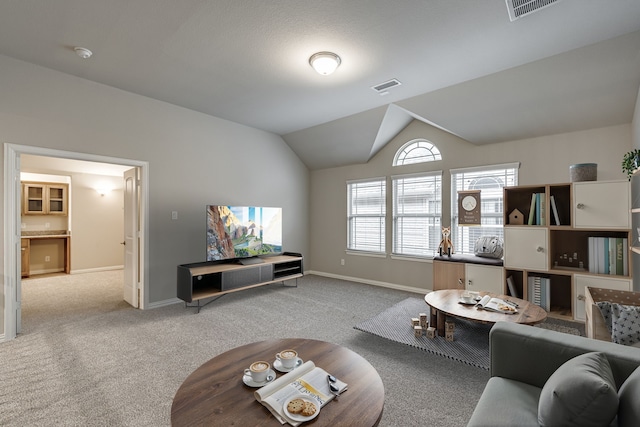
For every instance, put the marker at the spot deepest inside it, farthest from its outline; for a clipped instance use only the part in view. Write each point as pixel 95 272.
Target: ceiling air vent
pixel 383 88
pixel 519 8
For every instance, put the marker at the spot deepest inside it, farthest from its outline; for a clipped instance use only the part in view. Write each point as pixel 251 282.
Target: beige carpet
pixel 88 359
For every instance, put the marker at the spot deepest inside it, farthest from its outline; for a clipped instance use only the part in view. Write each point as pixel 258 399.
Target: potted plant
pixel 631 162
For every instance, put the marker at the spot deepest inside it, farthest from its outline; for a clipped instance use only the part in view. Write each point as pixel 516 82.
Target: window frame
pixel 381 183
pixel 492 221
pixel 433 149
pixel 432 219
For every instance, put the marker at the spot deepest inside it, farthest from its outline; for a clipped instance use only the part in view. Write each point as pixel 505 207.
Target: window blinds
pixel 366 204
pixel 417 209
pixel 490 180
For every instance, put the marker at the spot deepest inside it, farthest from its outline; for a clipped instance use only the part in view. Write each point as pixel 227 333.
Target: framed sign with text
pixel 469 207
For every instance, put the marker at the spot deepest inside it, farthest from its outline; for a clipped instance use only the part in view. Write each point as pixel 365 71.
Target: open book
pixel 498 305
pixel 307 379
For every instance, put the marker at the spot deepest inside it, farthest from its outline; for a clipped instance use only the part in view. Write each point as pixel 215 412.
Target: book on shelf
pixel 608 255
pixel 538 291
pixel 554 209
pixel 512 287
pixel 307 380
pixel 497 304
pixel 532 210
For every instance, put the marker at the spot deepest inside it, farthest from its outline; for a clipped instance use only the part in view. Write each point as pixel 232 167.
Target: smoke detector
pixel 83 53
pixel 519 8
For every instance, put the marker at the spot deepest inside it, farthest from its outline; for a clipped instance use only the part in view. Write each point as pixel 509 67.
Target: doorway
pixel 13 167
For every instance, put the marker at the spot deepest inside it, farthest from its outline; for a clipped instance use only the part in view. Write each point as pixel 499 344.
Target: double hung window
pixel 490 180
pixel 366 206
pixel 417 209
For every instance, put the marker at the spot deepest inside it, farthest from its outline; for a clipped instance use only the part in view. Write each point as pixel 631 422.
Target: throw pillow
pixel 625 324
pixel 489 247
pixel 581 392
pixel 629 410
pixel 605 309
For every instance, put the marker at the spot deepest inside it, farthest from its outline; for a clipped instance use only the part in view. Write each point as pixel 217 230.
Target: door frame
pixel 12 276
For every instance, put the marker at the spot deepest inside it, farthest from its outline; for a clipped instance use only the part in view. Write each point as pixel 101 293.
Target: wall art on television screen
pixel 243 231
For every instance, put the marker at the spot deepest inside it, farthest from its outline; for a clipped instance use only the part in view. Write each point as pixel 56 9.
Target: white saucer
pixel 300 417
pixel 251 383
pixel 278 365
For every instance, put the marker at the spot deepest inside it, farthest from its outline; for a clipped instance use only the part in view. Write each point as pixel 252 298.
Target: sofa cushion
pixel 506 403
pixel 629 408
pixel 581 392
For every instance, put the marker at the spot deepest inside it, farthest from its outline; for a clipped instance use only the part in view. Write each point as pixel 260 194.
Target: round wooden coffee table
pixel 214 394
pixel 445 302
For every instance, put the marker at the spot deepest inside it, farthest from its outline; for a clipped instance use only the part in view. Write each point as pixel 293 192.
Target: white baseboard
pixel 370 282
pixel 98 269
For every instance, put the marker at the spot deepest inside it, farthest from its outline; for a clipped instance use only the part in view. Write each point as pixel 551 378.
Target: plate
pixel 507 308
pixel 251 383
pixel 300 417
pixel 469 301
pixel 278 365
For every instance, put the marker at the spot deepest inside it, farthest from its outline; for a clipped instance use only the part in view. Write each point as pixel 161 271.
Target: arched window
pixel 416 151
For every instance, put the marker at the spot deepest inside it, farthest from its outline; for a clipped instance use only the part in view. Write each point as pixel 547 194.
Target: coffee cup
pixel 287 358
pixel 258 371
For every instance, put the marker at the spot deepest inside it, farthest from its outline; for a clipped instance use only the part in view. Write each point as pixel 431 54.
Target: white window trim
pixel 414 175
pixel 349 251
pixel 514 165
pixel 415 141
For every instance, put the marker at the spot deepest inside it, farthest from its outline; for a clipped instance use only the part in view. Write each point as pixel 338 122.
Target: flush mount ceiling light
pixel 83 52
pixel 324 63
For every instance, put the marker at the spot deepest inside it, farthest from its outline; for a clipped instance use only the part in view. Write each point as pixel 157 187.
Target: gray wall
pixel 194 159
pixel 543 160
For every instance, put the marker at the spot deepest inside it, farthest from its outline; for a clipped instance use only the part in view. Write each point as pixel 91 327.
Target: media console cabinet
pixel 202 280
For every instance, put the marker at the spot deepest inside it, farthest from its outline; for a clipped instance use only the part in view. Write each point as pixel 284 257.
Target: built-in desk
pixel 29 236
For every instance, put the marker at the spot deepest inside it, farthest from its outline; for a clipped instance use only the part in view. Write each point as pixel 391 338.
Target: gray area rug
pixel 471 339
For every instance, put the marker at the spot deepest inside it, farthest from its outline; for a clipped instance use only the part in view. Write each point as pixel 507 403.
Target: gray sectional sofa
pixel 542 377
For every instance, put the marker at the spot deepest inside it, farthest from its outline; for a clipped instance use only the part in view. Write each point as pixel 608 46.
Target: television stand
pixel 250 261
pixel 213 279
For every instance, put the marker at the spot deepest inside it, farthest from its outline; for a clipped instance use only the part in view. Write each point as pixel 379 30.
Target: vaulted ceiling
pixel 463 65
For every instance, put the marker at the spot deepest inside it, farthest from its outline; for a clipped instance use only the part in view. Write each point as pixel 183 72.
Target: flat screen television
pixel 243 231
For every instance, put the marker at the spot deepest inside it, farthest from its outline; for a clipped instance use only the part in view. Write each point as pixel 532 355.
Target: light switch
pixel 174 215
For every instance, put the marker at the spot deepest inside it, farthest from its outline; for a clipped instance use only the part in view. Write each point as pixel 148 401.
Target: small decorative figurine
pixel 446 247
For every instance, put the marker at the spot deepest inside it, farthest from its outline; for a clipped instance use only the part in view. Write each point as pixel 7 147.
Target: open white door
pixel 18 264
pixel 131 237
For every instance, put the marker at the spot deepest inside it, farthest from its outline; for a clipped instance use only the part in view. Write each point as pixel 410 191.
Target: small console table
pixel 213 279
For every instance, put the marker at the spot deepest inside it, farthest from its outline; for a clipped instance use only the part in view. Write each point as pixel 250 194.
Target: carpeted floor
pixel 471 339
pixel 86 358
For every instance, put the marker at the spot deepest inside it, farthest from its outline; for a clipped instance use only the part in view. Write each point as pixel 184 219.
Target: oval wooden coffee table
pixel 214 394
pixel 445 302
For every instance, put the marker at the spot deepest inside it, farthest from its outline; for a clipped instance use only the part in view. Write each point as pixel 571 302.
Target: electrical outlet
pixel 342 261
pixel 47 258
pixel 47 225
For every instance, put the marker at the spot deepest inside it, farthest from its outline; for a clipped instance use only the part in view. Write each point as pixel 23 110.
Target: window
pixel 416 151
pixel 489 180
pixel 417 211
pixel 366 205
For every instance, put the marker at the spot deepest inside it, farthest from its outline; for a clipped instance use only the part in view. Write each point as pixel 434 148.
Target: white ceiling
pixel 463 64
